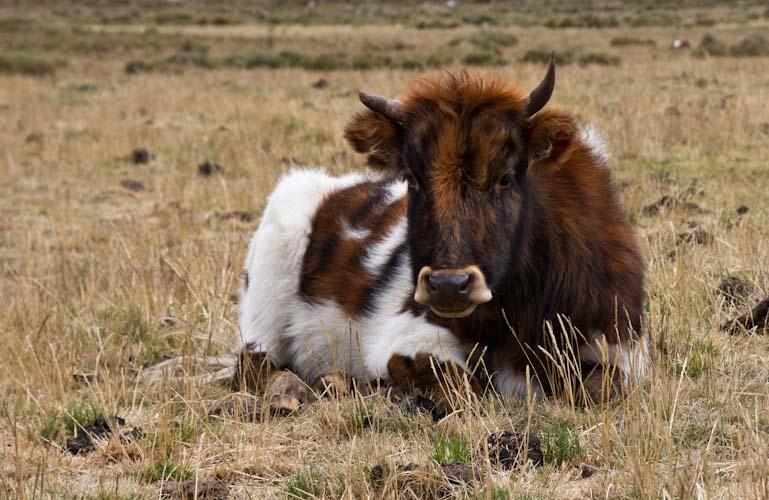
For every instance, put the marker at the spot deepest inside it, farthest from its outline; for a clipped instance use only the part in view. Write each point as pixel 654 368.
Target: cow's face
pixel 464 145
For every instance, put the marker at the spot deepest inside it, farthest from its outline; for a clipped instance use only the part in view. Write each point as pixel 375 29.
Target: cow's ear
pixel 551 136
pixel 379 137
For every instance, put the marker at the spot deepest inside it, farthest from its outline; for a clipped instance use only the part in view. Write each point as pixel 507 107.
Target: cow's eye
pixel 504 182
pixel 412 181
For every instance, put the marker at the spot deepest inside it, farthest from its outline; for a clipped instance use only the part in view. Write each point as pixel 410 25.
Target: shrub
pixel 711 46
pixel 491 39
pixel 751 46
pixel 541 55
pixel 483 59
pixel 560 443
pixel 21 63
pixel 599 58
pixel 621 41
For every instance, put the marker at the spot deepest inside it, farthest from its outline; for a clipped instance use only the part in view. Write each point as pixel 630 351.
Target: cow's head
pixel 464 143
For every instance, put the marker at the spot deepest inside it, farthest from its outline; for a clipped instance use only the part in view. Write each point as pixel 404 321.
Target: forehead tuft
pixel 455 94
pixel 463 126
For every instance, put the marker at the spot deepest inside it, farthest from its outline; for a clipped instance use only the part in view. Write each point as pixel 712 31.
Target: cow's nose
pixel 448 288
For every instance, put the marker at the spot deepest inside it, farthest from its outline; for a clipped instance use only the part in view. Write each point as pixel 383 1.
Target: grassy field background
pixel 108 267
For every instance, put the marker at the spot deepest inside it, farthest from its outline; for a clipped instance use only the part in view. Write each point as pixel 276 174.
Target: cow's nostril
pixel 464 285
pixel 430 285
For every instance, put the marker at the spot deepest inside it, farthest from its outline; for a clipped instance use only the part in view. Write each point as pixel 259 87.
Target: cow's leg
pixel 610 368
pixel 442 381
pixel 255 373
pixel 252 371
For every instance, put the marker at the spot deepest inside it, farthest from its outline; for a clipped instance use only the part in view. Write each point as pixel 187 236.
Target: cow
pixel 487 231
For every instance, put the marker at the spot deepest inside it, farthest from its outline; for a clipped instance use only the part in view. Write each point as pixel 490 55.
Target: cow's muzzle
pixel 452 293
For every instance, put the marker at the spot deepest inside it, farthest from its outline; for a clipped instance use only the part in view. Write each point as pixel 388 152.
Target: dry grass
pixel 99 281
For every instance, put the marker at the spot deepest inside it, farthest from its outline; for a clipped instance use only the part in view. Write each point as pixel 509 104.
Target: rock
pixel 132 185
pixel 587 471
pixel 505 449
pixel 208 168
pixel 141 156
pixel 191 489
pixel 757 318
pixel 320 83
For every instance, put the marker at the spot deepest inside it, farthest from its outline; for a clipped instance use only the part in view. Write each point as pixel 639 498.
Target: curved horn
pixel 540 95
pixel 385 106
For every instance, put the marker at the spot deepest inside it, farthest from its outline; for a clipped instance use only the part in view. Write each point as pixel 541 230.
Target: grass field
pixel 108 267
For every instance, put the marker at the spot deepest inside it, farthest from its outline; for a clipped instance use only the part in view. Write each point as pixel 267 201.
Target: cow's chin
pixel 463 313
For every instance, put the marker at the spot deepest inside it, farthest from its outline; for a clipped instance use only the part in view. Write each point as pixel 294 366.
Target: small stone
pixel 208 168
pixel 320 83
pixel 141 156
pixel 132 185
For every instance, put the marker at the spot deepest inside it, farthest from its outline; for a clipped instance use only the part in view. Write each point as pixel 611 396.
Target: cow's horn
pixel 540 95
pixel 385 106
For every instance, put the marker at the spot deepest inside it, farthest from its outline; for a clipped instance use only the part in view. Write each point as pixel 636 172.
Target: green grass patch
pixel 450 448
pixel 313 483
pixel 24 63
pixel 58 424
pixel 624 41
pixel 560 444
pixel 164 470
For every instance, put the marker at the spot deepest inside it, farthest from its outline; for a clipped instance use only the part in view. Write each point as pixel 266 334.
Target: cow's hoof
pixel 286 383
pixel 333 384
pixel 283 404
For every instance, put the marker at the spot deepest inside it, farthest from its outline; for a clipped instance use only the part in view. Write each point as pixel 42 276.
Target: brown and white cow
pixel 486 225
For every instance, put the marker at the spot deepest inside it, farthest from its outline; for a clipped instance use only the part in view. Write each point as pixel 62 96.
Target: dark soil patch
pixel 191 489
pixel 757 318
pixel 141 156
pixel 320 83
pixel 670 202
pixel 241 215
pixel 208 168
pixel 696 236
pixel 507 449
pixel 734 289
pixel 132 185
pixel 84 440
pixel 415 404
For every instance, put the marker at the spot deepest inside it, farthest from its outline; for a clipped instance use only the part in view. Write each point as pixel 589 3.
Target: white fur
pixel 315 339
pixel 381 252
pixel 354 233
pixel 595 142
pixel 632 358
pixel 513 383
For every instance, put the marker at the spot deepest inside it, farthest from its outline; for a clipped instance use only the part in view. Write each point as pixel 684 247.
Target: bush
pixel 599 58
pixel 751 46
pixel 584 21
pixel 491 39
pixel 21 63
pixel 711 46
pixel 621 41
pixel 541 55
pixel 483 59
